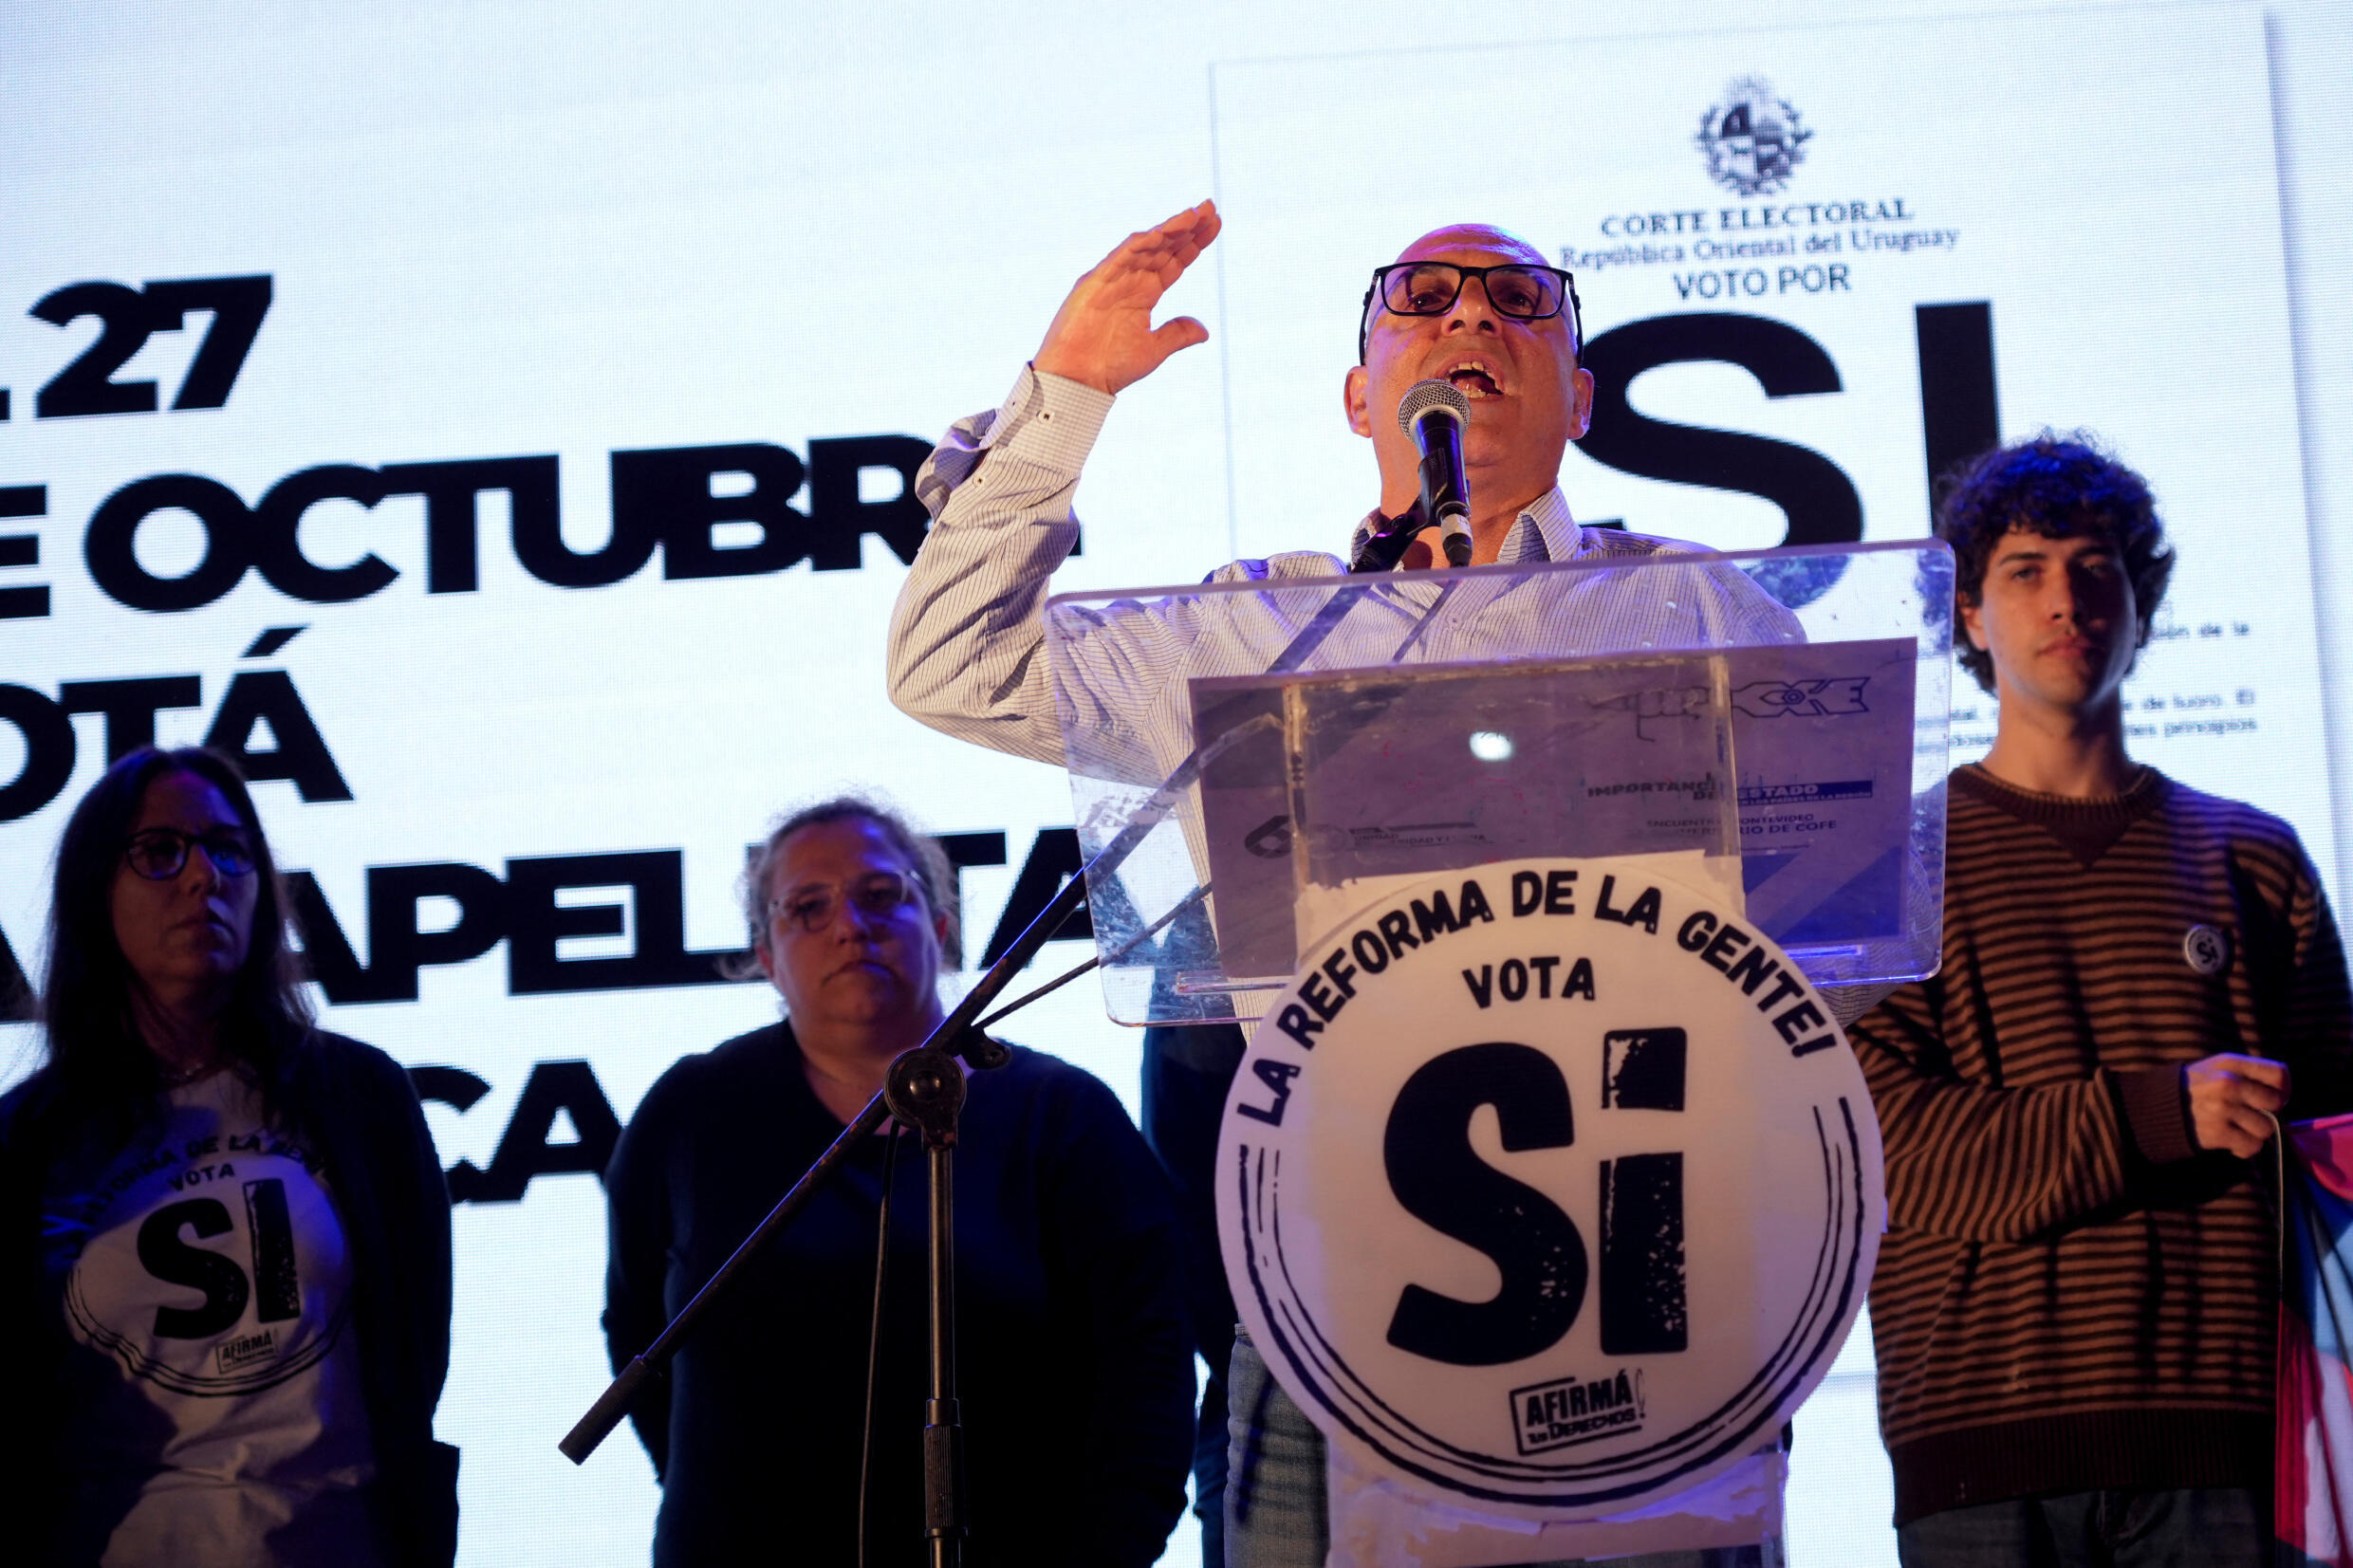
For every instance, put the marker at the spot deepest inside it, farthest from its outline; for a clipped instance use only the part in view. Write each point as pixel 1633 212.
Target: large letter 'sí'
pixel 1812 493
pixel 1443 1183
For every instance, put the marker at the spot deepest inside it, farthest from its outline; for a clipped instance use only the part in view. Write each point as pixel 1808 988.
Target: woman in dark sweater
pixel 1073 1366
pixel 227 1248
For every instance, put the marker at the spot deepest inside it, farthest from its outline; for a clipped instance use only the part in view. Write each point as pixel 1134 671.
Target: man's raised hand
pixel 2232 1099
pixel 1102 336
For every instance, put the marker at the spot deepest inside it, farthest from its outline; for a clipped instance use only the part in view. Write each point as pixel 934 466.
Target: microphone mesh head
pixel 1424 395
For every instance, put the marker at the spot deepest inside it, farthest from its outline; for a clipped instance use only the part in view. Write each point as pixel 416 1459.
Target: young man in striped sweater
pixel 2074 1306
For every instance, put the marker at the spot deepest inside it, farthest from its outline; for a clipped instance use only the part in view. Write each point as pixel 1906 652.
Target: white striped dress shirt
pixel 967 653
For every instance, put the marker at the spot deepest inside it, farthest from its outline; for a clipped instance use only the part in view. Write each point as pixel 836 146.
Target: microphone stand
pixel 925 1090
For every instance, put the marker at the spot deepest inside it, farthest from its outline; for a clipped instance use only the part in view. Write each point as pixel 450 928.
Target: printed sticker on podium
pixel 1549 1184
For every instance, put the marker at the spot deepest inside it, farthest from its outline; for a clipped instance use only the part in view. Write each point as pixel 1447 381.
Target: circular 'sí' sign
pixel 1551 1184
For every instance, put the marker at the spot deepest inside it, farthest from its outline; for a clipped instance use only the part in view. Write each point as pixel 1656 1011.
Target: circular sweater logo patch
pixel 2205 949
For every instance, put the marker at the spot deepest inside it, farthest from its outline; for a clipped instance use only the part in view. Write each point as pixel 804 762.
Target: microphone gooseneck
pixel 1383 546
pixel 1434 413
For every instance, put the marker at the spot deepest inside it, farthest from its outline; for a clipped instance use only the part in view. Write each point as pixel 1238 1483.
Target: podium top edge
pixel 1927 544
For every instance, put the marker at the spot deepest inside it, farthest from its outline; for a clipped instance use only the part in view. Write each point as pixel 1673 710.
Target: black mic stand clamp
pixel 1383 546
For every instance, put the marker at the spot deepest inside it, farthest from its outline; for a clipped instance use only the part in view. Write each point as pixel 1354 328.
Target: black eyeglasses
pixel 159 853
pixel 1518 289
pixel 881 894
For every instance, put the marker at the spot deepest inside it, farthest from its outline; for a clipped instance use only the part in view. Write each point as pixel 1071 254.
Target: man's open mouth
pixel 1475 378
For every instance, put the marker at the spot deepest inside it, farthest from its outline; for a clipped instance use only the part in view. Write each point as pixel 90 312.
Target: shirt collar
pixel 1544 531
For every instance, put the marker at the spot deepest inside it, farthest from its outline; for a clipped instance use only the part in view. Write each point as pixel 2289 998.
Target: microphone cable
pixel 874 1335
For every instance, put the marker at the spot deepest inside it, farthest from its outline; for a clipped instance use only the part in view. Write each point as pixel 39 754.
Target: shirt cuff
pixel 1048 420
pixel 2156 1112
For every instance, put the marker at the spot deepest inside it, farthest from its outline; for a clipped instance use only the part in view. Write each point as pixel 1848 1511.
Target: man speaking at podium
pixel 1469 304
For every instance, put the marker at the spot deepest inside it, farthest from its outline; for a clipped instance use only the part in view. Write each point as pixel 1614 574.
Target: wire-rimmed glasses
pixel 812 908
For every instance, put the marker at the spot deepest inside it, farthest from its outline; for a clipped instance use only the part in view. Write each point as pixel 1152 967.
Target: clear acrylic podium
pixel 1782 715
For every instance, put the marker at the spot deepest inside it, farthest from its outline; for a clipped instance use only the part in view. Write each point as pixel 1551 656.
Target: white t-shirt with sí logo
pixel 215 1415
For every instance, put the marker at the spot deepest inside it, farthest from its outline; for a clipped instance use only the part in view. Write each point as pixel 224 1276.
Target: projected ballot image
pixel 1306 786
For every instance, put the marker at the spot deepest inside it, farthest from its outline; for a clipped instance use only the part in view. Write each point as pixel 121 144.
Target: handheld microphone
pixel 1433 413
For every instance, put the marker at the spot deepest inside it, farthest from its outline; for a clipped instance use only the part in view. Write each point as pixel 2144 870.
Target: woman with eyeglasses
pixel 226 1300
pixel 1074 1371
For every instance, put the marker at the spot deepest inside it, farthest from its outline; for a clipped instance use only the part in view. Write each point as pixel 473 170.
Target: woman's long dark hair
pixel 96 1057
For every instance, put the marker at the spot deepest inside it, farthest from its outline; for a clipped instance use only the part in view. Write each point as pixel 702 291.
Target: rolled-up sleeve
pixel 967 637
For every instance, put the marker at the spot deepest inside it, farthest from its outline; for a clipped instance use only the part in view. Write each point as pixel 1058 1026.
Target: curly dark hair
pixel 2058 486
pixel 96 1056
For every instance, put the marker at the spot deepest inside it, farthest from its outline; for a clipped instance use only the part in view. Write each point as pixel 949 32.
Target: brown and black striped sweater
pixel 2071 1296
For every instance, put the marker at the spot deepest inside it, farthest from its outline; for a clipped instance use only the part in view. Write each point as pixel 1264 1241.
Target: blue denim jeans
pixel 1275 1500
pixel 2193 1527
